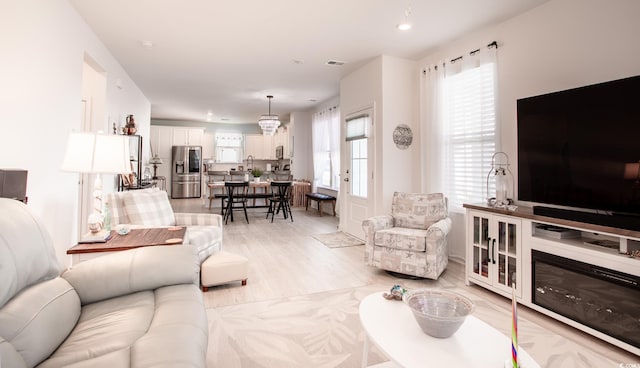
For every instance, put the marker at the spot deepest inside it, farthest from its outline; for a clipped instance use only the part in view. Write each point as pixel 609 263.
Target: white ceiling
pixel 227 56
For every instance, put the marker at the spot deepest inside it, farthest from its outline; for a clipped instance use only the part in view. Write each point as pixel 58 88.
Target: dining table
pixel 261 190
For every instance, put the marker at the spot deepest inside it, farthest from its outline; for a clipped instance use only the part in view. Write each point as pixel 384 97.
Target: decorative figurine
pixel 130 127
pixel 396 293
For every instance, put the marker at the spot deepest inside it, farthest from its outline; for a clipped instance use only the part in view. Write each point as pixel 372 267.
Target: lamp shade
pixel 155 160
pixel 97 153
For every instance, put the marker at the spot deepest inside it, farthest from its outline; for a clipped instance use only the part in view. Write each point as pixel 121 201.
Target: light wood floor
pixel 285 260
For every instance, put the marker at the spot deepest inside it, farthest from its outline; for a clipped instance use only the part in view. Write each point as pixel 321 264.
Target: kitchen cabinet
pixel 187 136
pixel 259 146
pixel 161 141
pixel 494 249
pixel 253 145
pixel 164 137
pixel 268 149
pixel 281 138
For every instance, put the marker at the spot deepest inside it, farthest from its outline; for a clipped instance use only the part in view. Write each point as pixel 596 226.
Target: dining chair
pixel 236 176
pixel 216 182
pixel 236 199
pixel 281 191
pixel 282 175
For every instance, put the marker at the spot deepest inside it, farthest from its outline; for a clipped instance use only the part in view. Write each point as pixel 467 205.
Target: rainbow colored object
pixel 514 329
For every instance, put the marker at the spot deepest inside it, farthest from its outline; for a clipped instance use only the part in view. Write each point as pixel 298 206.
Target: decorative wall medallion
pixel 402 136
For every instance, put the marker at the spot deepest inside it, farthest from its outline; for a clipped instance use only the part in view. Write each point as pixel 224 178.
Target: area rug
pixel 323 330
pixel 338 239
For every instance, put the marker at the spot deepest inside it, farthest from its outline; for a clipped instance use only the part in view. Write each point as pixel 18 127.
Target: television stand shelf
pixel 614 220
pixel 500 247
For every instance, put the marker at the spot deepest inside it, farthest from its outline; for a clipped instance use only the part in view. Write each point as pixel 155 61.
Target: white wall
pixel 390 85
pixel 302 160
pixel 399 106
pixel 359 90
pixel 43 45
pixel 559 45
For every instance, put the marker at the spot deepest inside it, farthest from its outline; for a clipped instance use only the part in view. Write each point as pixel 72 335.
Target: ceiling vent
pixel 335 62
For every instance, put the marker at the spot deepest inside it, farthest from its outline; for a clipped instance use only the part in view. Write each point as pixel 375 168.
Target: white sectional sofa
pixel 136 308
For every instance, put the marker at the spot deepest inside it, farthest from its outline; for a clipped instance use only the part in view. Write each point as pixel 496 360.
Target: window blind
pixel 357 128
pixel 471 132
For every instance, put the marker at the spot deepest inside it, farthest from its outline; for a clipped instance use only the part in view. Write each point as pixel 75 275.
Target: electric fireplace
pixel 605 300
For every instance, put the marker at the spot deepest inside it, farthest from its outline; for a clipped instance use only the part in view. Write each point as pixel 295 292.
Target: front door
pixel 358 176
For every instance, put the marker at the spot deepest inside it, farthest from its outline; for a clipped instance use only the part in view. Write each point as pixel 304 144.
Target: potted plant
pixel 257 173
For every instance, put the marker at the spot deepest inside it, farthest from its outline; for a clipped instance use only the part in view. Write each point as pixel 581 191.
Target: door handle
pixel 493 251
pixel 346 179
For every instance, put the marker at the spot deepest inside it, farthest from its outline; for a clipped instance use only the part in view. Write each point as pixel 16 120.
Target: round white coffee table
pixel 390 325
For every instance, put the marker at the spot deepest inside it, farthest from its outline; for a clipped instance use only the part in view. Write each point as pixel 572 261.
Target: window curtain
pixel 431 108
pixel 319 132
pixel 458 109
pixel 326 147
pixel 334 146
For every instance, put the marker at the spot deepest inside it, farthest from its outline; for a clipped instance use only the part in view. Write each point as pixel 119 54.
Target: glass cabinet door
pixel 480 246
pixel 507 254
pixel 494 244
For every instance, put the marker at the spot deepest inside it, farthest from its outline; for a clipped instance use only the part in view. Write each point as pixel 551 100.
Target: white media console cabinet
pixel 499 248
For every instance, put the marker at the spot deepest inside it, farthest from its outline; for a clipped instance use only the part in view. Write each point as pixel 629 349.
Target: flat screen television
pixel 580 148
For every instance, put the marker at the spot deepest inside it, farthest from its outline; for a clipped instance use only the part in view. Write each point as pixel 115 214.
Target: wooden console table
pixel 136 238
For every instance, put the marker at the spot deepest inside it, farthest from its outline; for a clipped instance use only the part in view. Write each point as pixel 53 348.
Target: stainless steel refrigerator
pixel 185 171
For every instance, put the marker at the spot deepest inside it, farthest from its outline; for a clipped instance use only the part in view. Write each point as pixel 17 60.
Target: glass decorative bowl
pixel 439 313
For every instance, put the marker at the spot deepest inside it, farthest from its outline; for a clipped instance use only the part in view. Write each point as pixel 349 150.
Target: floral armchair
pixel 413 239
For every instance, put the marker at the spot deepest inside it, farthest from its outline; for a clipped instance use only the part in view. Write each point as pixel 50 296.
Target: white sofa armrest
pixel 200 219
pixel 134 270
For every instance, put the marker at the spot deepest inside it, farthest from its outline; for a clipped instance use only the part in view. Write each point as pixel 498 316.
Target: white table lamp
pixel 95 153
pixel 155 161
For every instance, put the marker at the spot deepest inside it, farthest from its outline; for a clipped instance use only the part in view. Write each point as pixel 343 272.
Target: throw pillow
pixel 149 208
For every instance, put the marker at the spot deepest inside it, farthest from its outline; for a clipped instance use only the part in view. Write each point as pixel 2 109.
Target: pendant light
pixel 269 123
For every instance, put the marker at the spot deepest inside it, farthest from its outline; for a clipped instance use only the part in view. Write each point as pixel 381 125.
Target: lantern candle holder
pixel 499 181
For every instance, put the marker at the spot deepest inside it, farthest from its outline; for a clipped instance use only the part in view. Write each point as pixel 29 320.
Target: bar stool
pixel 281 191
pixel 236 199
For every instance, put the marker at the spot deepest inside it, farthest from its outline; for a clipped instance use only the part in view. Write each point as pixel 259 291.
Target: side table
pixel 134 239
pixel 390 325
pixel 160 182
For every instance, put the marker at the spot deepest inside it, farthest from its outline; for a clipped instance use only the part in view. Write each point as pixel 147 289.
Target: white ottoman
pixel 223 267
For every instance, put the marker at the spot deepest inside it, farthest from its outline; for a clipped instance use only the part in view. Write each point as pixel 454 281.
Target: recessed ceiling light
pixel 297 61
pixel 146 44
pixel 335 62
pixel 313 100
pixel 405 25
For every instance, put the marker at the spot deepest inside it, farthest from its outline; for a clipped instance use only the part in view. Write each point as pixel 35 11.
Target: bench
pixel 319 198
